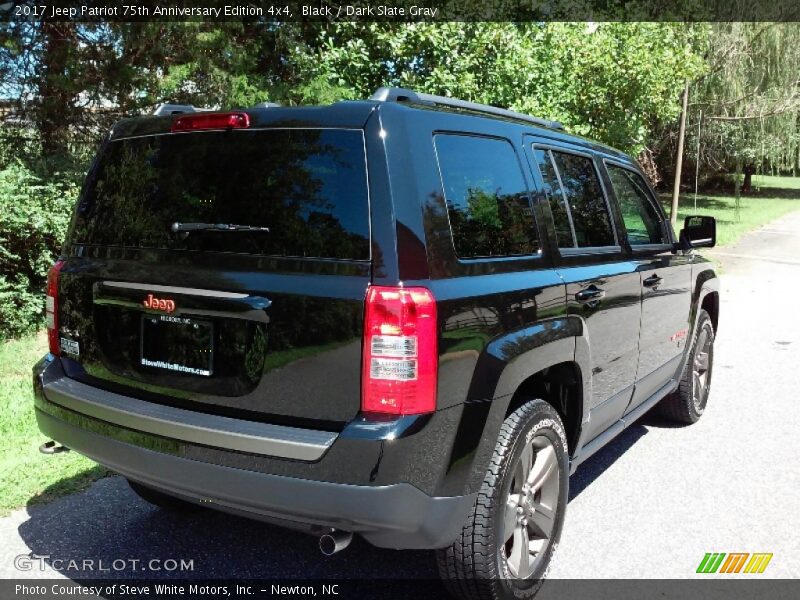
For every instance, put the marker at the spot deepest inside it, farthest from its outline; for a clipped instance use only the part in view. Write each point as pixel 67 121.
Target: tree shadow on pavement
pixel 590 470
pixel 608 455
pixel 109 522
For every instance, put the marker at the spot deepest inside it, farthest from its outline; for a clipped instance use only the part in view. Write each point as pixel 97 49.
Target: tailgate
pixel 262 323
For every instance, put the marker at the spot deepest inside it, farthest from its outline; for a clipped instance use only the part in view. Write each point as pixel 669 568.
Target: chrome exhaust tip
pixel 335 541
pixel 52 447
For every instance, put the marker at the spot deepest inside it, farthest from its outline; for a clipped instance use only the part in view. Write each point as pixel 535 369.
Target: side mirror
pixel 699 232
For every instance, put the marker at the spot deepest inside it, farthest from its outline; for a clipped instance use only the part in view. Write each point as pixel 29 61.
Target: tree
pixel 750 98
pixel 609 81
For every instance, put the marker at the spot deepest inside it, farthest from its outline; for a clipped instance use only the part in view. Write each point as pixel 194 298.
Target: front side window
pixel 641 218
pixel 487 199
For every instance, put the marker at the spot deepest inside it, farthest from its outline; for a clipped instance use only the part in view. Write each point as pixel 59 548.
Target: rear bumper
pixel 397 515
pixel 188 426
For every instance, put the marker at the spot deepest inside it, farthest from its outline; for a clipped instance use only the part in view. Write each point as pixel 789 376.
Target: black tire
pixel 476 565
pixel 161 499
pixel 688 403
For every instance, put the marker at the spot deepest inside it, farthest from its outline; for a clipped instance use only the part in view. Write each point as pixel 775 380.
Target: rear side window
pixel 641 218
pixel 486 195
pixel 309 187
pixel 576 199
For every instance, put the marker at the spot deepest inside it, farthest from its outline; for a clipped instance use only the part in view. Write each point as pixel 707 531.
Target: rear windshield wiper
pixel 186 227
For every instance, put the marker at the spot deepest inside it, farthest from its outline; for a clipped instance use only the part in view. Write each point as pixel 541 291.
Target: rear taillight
pixel 400 351
pixel 51 306
pixel 233 120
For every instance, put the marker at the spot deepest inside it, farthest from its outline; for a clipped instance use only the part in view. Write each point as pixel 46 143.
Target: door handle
pixel 590 294
pixel 653 281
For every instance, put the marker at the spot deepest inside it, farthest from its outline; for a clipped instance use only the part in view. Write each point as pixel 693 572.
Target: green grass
pixel 26 476
pixel 776 181
pixel 771 198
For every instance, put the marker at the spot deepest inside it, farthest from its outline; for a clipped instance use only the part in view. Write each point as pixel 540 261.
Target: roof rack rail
pixel 176 109
pixel 392 94
pixel 266 105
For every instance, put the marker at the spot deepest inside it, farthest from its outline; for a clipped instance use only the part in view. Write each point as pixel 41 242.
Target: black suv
pixel 409 318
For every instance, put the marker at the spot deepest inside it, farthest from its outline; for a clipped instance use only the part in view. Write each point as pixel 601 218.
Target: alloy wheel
pixel 530 511
pixel 701 369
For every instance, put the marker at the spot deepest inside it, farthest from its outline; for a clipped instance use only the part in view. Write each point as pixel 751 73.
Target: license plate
pixel 177 344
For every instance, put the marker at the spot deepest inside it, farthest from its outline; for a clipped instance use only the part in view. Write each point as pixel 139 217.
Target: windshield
pixel 307 186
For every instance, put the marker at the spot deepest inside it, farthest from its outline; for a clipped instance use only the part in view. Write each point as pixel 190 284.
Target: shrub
pixel 34 215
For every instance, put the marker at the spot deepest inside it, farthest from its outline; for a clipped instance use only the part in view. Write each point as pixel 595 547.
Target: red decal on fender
pixel 678 335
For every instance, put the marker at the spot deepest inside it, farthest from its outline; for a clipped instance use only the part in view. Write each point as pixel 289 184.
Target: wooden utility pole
pixel 676 188
pixel 697 162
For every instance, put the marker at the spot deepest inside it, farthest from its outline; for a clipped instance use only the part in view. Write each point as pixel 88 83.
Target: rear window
pixel 308 186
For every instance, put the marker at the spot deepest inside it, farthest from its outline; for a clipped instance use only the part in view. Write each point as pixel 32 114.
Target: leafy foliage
pixel 609 81
pixel 34 215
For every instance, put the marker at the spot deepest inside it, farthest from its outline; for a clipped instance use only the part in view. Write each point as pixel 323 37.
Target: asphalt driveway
pixel 648 506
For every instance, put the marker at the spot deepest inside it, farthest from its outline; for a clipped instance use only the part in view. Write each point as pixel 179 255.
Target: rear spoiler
pixel 176 109
pixel 166 109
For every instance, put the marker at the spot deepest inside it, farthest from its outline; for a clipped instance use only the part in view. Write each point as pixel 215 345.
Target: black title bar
pixel 98 11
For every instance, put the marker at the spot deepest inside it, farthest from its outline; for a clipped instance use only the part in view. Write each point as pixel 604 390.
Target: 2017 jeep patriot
pixel 409 318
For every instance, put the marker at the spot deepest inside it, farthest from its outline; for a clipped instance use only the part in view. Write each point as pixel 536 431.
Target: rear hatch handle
pixel 188 227
pixel 181 301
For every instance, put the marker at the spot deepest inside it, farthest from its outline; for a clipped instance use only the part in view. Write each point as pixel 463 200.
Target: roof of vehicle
pixel 353 114
pixel 529 126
